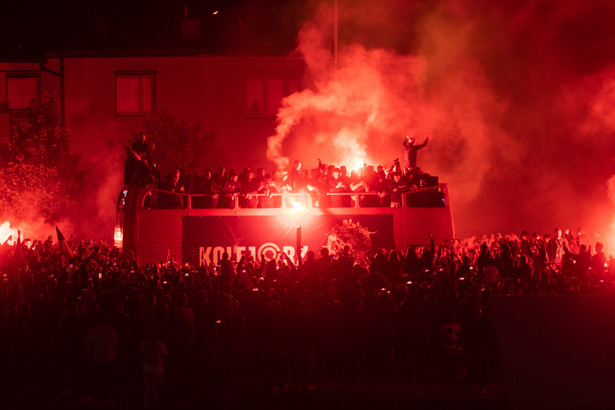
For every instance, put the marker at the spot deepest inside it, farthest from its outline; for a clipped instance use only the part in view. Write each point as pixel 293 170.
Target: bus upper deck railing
pixel 153 198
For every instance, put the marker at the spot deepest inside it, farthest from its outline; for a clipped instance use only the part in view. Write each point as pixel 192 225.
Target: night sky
pixel 518 95
pixel 239 26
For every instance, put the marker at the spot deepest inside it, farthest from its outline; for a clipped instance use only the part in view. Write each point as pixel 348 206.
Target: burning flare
pixel 7 232
pixel 362 106
pixel 297 207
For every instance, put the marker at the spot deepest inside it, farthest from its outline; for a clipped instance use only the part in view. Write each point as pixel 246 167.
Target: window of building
pixel 264 97
pixel 275 94
pixel 255 91
pixel 21 90
pixel 134 93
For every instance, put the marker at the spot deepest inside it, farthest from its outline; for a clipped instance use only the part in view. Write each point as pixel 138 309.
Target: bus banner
pixel 207 238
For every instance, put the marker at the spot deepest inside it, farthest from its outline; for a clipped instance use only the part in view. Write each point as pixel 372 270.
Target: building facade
pixel 105 99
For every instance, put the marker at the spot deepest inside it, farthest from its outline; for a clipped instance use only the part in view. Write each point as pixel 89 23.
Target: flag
pixel 63 245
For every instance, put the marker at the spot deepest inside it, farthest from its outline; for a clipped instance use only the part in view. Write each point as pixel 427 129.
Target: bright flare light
pixel 297 208
pixel 118 237
pixel 351 149
pixel 358 164
pixel 6 231
pixel 355 163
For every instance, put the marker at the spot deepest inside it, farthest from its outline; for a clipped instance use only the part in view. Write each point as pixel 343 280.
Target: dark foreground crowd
pixel 87 319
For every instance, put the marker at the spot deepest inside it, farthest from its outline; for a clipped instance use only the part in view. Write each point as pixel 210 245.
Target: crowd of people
pixel 88 318
pixel 258 189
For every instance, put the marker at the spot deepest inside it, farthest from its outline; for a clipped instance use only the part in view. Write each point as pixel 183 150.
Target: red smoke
pixel 517 95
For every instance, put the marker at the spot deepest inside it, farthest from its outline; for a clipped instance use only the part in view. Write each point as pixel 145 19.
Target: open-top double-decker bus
pixel 157 225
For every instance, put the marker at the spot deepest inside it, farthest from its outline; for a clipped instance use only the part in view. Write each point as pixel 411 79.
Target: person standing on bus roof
pixel 410 151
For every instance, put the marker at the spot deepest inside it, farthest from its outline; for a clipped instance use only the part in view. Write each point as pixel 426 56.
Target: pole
pixel 298 249
pixel 335 35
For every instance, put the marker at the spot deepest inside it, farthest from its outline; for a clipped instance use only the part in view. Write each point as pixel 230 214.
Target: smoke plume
pixel 517 97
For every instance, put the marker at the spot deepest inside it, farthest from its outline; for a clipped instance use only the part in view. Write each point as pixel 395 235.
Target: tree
pixel 180 145
pixel 38 174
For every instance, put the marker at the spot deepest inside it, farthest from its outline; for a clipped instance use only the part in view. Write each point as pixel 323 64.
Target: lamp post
pixel 335 34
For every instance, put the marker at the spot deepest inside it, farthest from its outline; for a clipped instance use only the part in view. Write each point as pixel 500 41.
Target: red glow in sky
pixel 518 96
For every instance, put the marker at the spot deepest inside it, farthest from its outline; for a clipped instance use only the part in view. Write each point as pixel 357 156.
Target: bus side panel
pixel 158 233
pixel 414 225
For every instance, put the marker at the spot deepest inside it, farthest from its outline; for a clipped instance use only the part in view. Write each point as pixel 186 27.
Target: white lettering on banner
pixel 269 251
pixel 290 251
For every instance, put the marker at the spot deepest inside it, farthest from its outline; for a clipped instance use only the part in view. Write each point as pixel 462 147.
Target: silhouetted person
pixel 101 344
pixel 154 354
pixel 249 190
pixel 396 186
pixel 555 247
pixel 477 344
pixel 450 332
pixel 138 164
pixel 230 190
pixel 410 152
pixel 205 185
pixel 173 184
pixel 598 261
pixel 336 186
pixel 182 336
